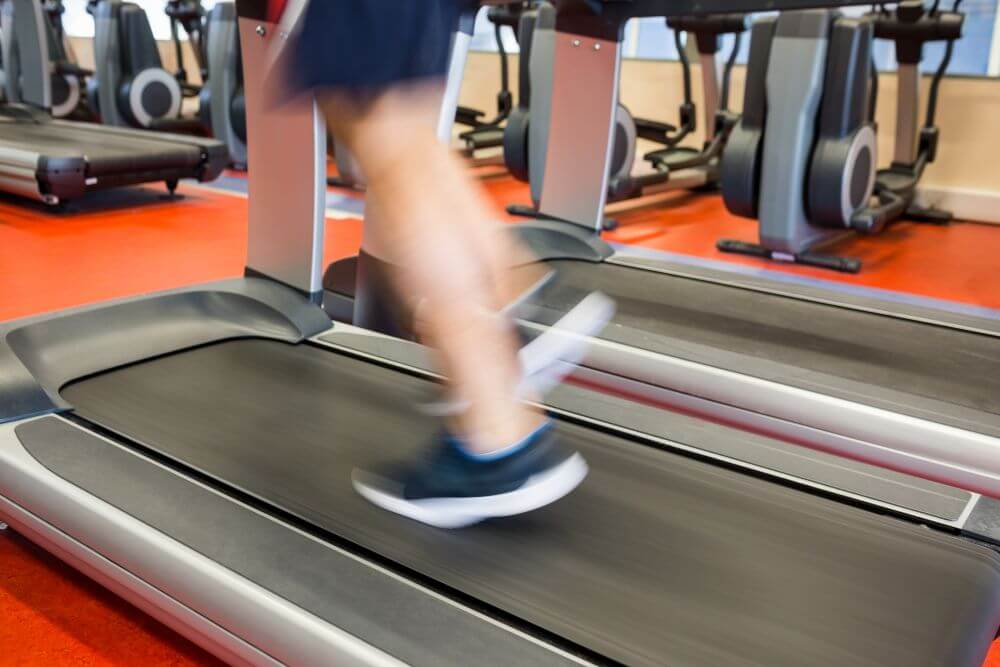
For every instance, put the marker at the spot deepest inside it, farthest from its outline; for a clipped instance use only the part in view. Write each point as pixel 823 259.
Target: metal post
pixel 286 142
pixel 577 112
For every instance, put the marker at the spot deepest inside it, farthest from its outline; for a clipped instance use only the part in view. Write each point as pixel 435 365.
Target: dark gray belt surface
pixel 656 559
pixel 106 152
pixel 938 363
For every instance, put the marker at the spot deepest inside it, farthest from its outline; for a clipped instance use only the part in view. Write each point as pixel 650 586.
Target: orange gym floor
pixel 133 241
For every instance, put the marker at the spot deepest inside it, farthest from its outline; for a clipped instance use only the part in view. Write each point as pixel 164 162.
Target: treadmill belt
pixel 656 559
pixel 105 151
pixel 655 311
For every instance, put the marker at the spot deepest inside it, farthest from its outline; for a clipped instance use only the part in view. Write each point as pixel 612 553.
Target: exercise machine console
pixel 133 89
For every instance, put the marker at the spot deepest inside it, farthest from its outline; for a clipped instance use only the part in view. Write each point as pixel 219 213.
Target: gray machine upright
pixel 26 76
pixel 802 159
pixel 225 103
pixel 133 88
pixel 526 141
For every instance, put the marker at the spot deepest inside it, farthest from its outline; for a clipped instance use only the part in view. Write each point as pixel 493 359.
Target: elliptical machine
pixel 802 159
pixel 485 134
pixel 910 25
pixel 68 79
pixel 132 87
pixel 675 167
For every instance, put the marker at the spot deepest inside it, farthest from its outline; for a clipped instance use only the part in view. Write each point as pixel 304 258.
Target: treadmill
pixel 191 450
pixel 55 160
pixel 908 386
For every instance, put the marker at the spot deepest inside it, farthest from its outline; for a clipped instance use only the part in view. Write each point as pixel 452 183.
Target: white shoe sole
pixel 553 354
pixel 550 357
pixel 539 491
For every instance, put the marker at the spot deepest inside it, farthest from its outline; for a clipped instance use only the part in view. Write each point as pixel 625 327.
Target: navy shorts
pixel 367 45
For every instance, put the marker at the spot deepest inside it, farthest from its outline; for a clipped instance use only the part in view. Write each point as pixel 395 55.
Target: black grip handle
pixel 713 24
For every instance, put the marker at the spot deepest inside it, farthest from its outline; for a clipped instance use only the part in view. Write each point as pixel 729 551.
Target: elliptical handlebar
pixel 709 28
pixel 911 26
pixel 706 31
pixel 190 15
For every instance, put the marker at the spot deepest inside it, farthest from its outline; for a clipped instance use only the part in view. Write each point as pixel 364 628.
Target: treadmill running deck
pixel 877 360
pixel 657 558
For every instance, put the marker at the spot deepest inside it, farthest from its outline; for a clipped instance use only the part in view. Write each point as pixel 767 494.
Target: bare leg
pixel 434 226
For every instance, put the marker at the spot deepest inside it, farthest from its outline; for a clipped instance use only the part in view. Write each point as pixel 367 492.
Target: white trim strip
pixel 971 204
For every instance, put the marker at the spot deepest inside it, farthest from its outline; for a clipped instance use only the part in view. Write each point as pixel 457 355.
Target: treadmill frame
pixel 222 610
pixel 39 355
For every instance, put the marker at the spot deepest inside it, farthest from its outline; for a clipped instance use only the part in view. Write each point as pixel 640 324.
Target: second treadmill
pixel 55 160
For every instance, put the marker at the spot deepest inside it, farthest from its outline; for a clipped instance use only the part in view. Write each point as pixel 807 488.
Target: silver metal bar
pixel 907 107
pixel 24 183
pixel 287 148
pixel 825 442
pixel 579 123
pixel 136 592
pixel 636 258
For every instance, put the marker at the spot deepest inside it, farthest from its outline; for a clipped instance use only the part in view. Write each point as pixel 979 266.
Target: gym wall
pixel 965 178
